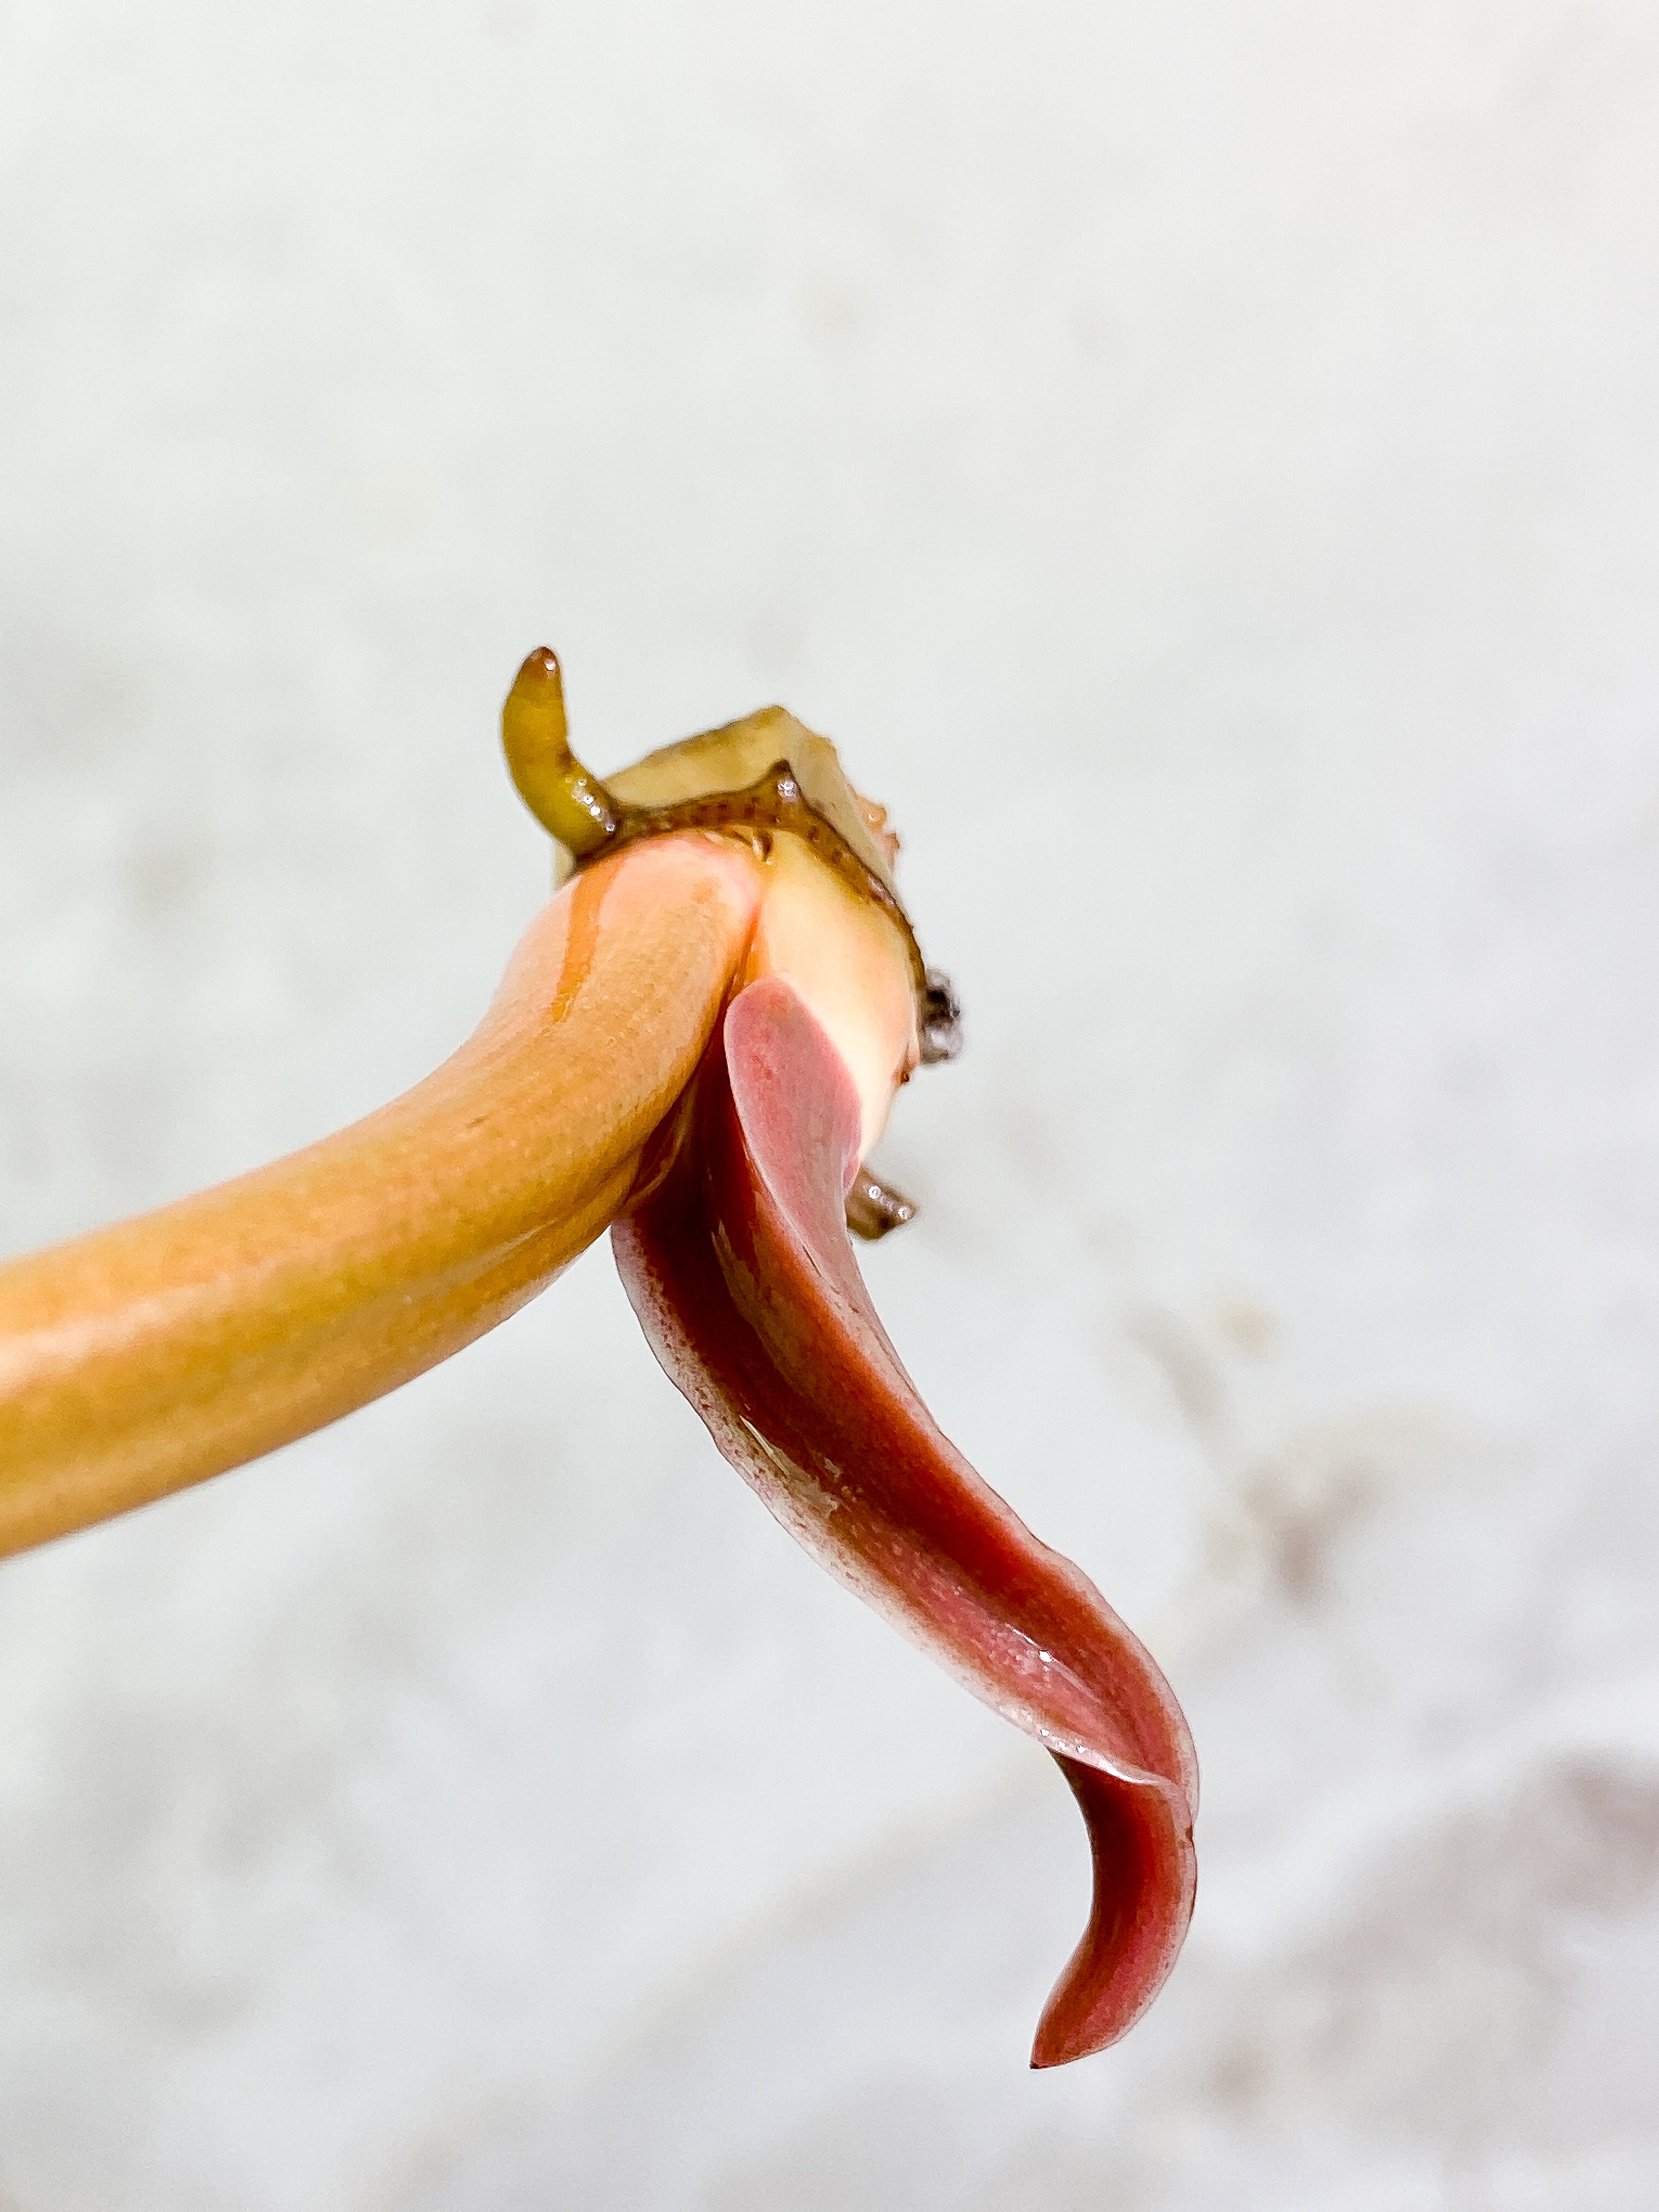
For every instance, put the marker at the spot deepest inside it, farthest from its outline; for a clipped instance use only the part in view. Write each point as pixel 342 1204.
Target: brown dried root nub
pixel 874 1208
pixel 764 775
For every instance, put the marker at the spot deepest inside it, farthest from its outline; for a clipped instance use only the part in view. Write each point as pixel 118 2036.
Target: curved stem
pixel 150 1355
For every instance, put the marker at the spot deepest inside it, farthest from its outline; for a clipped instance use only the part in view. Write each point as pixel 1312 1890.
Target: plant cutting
pixel 695 1044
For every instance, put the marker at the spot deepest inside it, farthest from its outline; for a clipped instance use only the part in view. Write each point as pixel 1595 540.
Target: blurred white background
pixel 1201 461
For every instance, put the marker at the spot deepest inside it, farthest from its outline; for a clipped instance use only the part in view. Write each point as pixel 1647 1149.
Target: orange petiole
pixel 150 1355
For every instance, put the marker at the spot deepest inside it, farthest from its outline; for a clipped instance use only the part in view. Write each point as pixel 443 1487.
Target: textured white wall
pixel 1201 461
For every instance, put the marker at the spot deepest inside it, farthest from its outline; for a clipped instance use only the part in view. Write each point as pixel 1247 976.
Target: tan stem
pixel 166 1349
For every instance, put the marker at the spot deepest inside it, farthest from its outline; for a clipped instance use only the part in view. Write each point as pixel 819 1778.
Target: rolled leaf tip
pixel 740 1268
